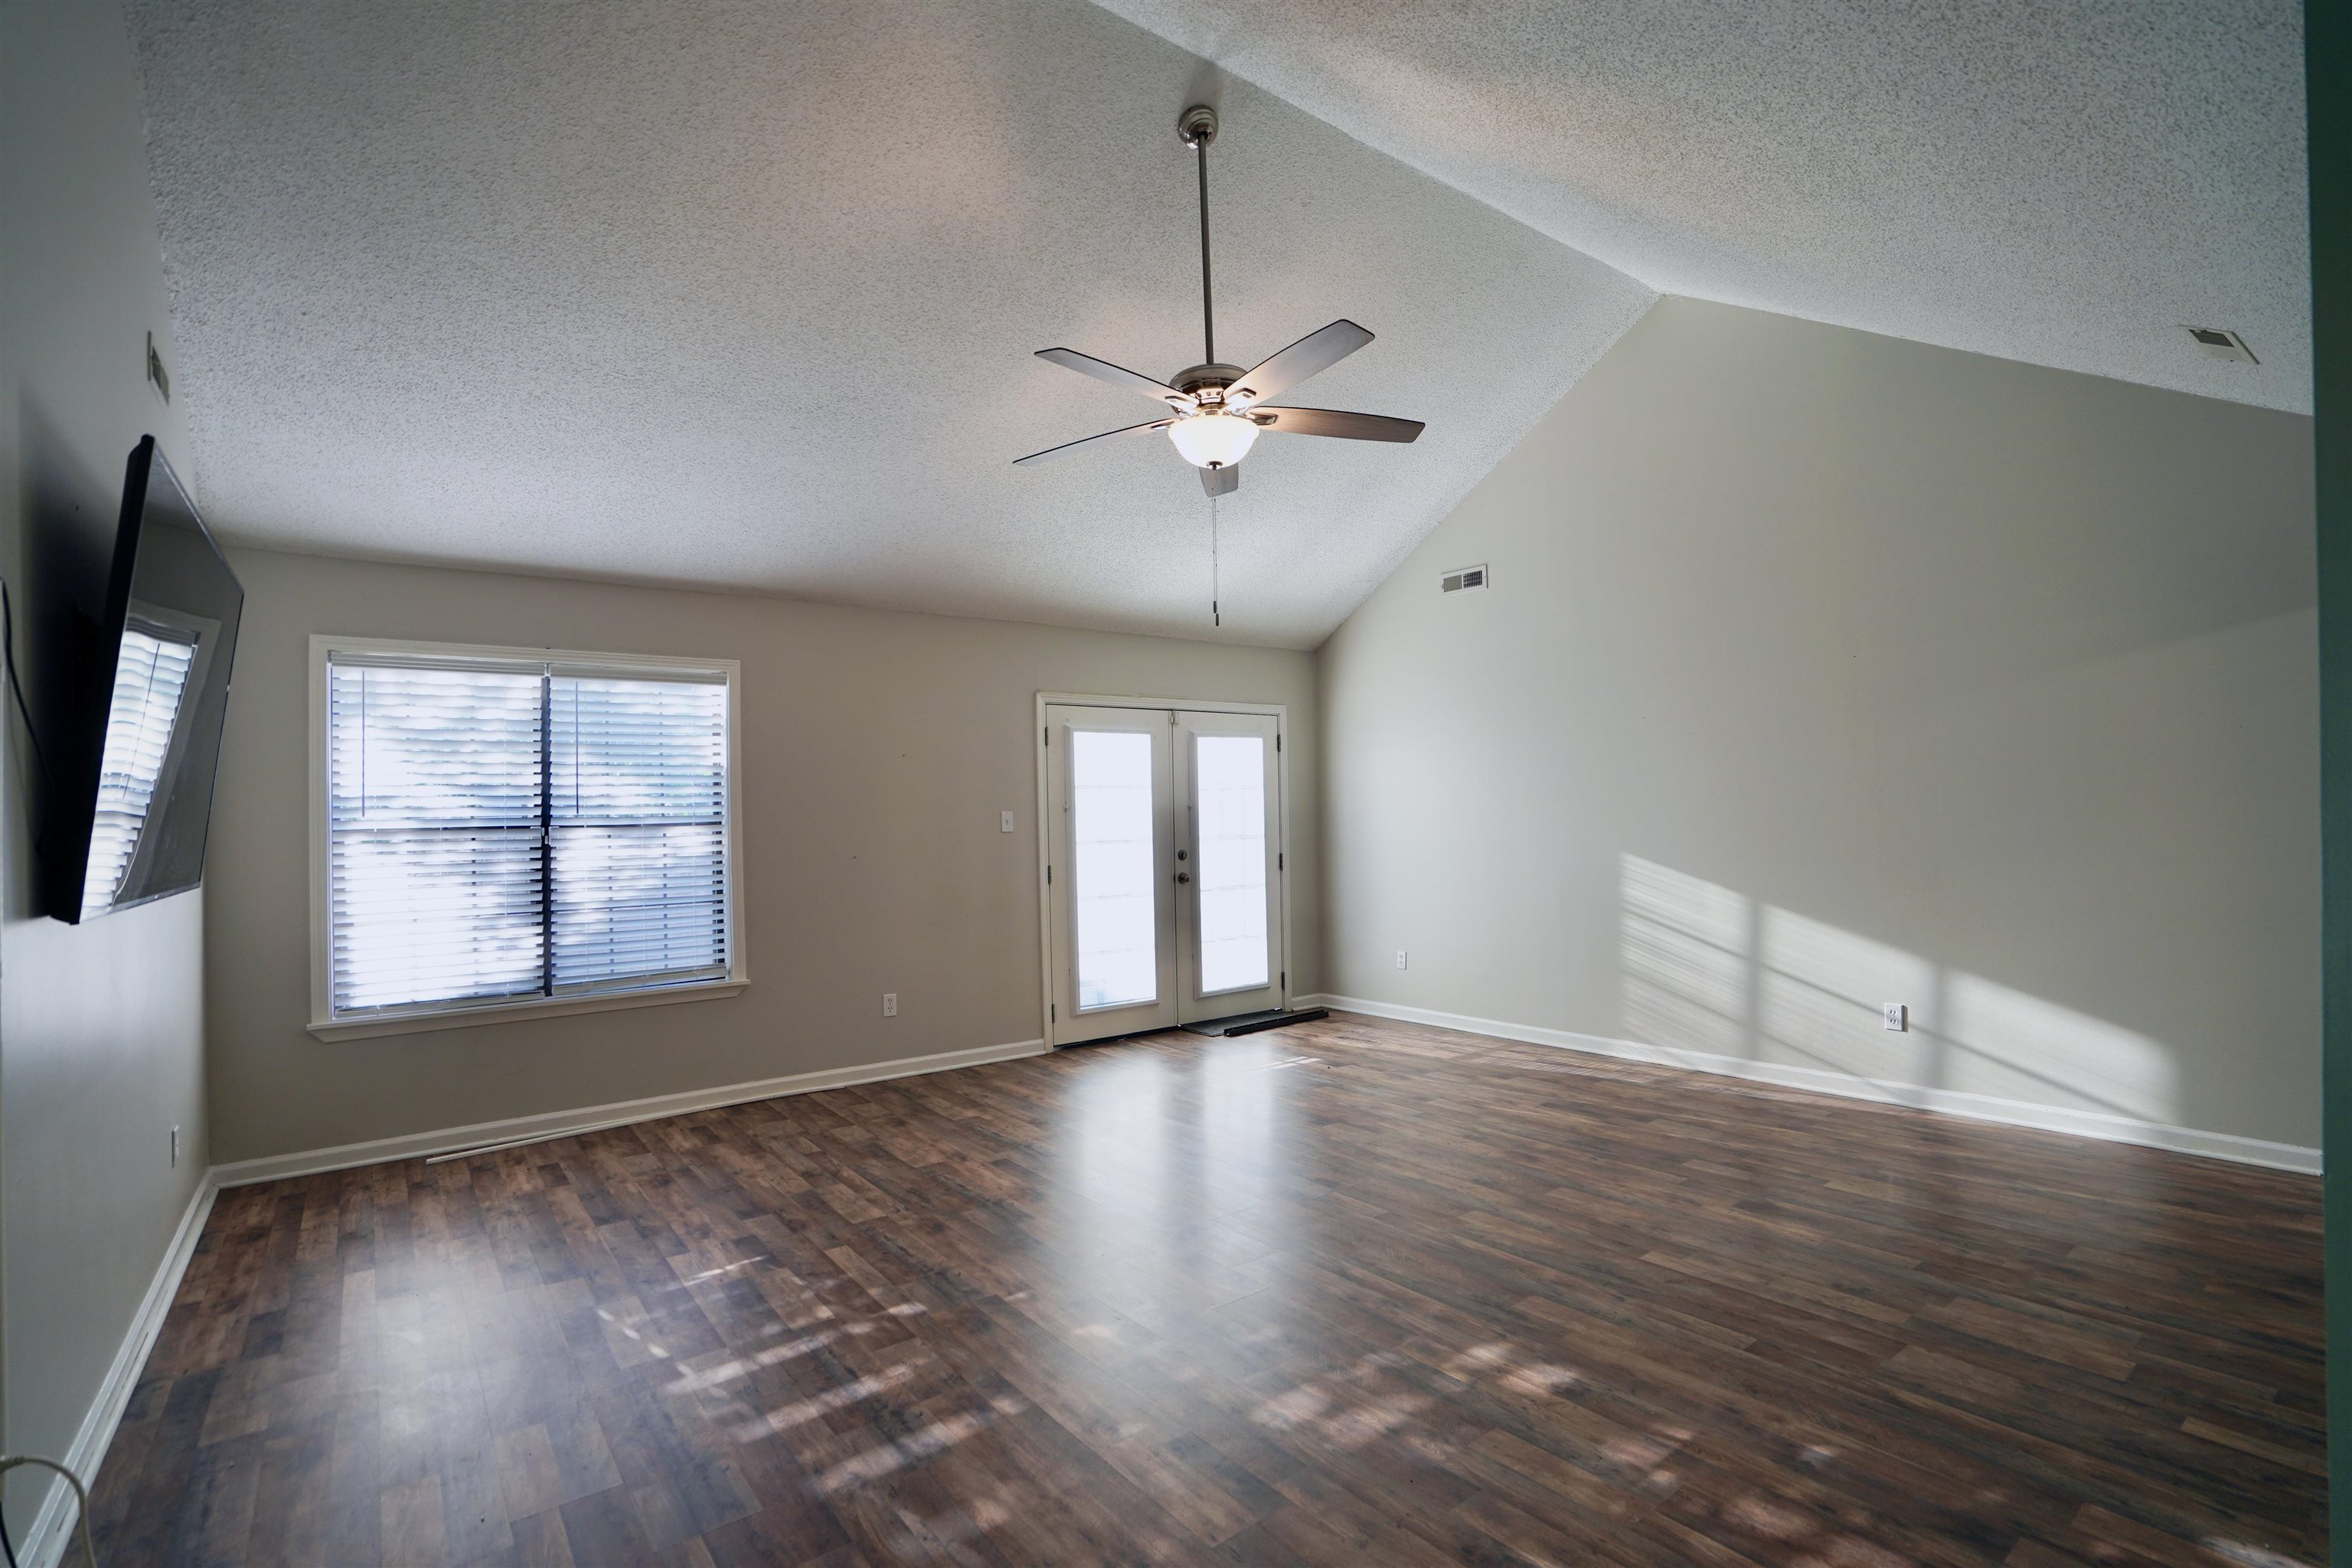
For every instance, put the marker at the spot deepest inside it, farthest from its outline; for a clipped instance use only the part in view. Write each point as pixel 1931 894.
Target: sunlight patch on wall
pixel 1820 991
pixel 2002 1042
pixel 1685 944
pixel 1707 970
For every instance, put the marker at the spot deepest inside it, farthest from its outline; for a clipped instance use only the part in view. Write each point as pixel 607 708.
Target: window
pixel 501 831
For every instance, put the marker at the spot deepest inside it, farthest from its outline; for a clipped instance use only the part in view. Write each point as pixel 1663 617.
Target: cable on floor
pixel 81 1501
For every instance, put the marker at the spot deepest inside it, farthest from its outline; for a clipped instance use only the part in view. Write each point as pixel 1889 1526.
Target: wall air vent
pixel 1461 578
pixel 2222 344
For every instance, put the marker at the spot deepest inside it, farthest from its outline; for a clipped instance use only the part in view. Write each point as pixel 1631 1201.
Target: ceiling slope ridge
pixel 1354 127
pixel 2063 184
pixel 1402 553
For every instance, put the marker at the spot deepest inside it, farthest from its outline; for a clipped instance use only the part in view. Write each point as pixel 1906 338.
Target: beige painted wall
pixel 1822 669
pixel 102 1044
pixel 877 749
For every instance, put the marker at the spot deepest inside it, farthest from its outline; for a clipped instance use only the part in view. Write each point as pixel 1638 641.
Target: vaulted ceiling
pixel 722 293
pixel 2067 184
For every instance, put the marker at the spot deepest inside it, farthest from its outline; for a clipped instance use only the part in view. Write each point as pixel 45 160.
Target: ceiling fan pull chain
pixel 1217 616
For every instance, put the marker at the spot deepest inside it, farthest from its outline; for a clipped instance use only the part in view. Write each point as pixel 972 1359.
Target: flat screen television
pixel 138 786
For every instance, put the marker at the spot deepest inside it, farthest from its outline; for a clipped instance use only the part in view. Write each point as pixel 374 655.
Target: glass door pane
pixel 1230 821
pixel 1229 910
pixel 1114 883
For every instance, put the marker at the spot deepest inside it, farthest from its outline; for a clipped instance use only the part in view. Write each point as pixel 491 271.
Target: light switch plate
pixel 1005 822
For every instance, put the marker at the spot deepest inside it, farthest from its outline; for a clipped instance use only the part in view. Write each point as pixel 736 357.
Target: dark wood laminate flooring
pixel 1350 1292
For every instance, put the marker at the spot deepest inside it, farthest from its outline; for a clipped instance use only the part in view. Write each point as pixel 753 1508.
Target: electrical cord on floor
pixel 81 1500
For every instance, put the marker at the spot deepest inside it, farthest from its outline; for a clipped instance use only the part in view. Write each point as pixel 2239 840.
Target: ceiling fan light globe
pixel 1214 440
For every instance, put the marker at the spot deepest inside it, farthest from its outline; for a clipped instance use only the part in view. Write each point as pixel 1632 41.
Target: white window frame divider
pixel 434 1016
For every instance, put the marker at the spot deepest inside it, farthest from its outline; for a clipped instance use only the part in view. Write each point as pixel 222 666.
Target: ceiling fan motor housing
pixel 1206 383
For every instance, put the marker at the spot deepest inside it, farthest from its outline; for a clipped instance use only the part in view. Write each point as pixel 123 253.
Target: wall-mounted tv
pixel 136 782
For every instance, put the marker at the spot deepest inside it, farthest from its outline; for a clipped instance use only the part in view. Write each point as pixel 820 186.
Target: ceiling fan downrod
pixel 1198 127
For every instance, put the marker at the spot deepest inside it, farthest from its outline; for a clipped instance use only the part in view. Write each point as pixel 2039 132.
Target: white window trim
pixel 323 1022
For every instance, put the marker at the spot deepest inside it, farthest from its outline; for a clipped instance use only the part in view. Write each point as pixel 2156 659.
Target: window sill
pixel 517 1012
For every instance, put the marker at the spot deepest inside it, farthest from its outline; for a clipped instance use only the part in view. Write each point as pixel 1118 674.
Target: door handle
pixel 1184 876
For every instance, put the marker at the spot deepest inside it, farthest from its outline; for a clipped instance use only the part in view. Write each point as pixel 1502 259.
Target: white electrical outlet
pixel 1400 958
pixel 1005 822
pixel 889 1004
pixel 175 1148
pixel 1898 1017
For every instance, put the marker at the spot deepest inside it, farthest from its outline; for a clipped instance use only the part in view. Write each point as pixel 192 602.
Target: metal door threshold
pixel 1251 1022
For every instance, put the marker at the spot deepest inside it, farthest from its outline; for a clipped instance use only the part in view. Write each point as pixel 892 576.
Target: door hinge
pixel 1286 980
pixel 1281 863
pixel 1049 876
pixel 1278 740
pixel 1048 739
pixel 1052 1014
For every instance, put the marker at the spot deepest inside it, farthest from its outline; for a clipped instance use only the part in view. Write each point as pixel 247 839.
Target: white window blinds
pixel 638 829
pixel 498 832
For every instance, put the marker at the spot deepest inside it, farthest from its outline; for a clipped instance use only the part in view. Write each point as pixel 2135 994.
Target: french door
pixel 1164 868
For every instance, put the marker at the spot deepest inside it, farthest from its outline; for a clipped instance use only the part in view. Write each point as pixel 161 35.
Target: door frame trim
pixel 1047 1024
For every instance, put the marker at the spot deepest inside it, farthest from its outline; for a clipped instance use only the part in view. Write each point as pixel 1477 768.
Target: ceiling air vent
pixel 2222 344
pixel 1462 578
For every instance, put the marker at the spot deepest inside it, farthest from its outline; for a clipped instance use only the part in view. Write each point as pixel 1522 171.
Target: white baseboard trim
pixel 1945 1101
pixel 593 1118
pixel 55 1526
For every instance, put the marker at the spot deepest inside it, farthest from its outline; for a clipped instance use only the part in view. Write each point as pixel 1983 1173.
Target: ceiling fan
pixel 1216 411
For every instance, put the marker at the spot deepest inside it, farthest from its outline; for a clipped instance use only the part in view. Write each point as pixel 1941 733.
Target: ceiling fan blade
pixel 1318 351
pixel 1118 375
pixel 1222 481
pixel 1089 440
pixel 1333 422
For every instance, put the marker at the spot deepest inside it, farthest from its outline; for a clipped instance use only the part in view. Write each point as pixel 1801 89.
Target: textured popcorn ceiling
pixel 733 293
pixel 2065 182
